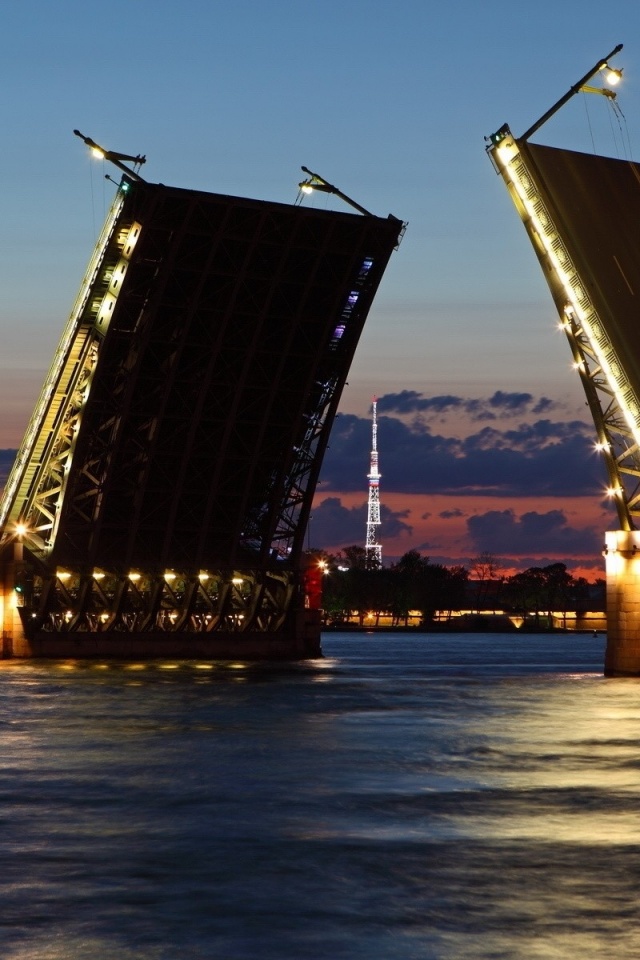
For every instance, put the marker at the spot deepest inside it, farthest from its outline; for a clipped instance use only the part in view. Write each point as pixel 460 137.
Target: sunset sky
pixel 485 440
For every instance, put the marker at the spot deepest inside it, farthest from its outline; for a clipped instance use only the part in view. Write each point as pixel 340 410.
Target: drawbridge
pixel 159 500
pixel 581 212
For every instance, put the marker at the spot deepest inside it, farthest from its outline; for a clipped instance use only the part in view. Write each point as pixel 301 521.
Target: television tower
pixel 373 549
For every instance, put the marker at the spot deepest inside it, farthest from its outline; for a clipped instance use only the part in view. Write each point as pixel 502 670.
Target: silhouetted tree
pixel 451 592
pixel 540 590
pixel 409 583
pixel 427 587
pixel 354 557
pixel 485 570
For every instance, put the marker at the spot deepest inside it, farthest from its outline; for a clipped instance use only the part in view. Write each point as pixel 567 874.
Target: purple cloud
pixel 333 524
pixel 503 532
pixel 500 404
pixel 544 458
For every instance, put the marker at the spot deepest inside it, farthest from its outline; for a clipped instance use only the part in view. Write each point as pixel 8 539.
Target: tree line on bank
pixel 354 586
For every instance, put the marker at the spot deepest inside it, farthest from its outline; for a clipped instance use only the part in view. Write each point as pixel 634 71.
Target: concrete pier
pixel 622 555
pixel 13 642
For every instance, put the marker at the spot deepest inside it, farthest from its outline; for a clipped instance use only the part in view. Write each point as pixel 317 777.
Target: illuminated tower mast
pixel 372 547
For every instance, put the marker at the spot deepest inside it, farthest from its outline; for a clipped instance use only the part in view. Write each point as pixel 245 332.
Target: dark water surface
pixel 463 796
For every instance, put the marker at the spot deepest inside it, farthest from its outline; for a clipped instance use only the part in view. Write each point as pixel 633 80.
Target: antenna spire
pixel 373 549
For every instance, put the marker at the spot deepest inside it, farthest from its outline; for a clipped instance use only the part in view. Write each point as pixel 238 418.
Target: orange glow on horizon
pixel 447 537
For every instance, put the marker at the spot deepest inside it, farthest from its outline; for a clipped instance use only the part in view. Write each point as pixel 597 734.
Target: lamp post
pixel 613 77
pixel 114 157
pixel 316 182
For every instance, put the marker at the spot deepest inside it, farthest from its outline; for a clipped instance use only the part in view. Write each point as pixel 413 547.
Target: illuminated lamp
pixel 316 182
pixel 612 76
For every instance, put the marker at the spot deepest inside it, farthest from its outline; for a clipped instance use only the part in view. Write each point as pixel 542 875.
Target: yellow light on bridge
pixel 612 76
pixel 566 273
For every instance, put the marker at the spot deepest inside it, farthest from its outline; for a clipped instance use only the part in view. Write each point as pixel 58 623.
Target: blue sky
pixel 391 101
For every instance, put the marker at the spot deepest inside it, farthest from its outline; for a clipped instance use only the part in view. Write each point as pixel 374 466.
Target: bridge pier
pixel 622 556
pixel 13 642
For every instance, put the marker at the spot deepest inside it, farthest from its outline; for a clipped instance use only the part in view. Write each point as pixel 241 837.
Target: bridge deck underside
pixel 217 383
pixel 167 475
pixel 596 207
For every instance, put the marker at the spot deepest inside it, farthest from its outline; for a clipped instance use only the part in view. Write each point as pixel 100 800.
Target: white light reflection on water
pixel 403 799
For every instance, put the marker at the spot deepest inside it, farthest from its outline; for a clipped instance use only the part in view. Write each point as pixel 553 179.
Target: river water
pixel 461 796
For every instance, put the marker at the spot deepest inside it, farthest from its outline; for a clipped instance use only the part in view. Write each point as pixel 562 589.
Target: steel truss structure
pixel 165 480
pixel 581 214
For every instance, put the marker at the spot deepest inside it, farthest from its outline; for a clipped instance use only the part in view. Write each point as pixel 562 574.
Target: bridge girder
pixel 182 425
pixel 595 308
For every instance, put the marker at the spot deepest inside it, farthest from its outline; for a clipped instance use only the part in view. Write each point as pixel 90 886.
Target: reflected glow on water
pixel 465 796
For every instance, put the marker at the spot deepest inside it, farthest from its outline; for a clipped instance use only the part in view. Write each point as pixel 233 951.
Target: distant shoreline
pixel 461 628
